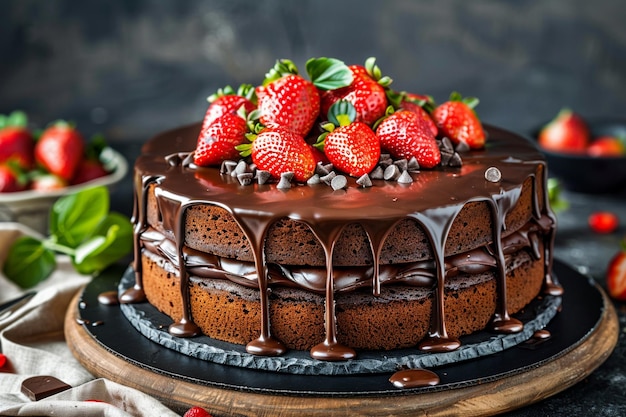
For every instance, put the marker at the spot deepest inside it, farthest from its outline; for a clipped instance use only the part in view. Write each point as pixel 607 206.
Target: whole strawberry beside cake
pixel 332 214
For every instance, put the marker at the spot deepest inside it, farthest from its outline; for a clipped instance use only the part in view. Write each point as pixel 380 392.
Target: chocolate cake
pixel 408 258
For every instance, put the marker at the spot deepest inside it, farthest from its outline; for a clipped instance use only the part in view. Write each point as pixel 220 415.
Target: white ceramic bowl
pixel 32 208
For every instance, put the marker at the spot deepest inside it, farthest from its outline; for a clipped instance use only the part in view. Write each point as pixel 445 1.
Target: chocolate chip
pixel 405 178
pixel 38 387
pixel 245 178
pixel 339 182
pixel 377 173
pixel 315 179
pixel 364 181
pixel 392 172
pixel 262 176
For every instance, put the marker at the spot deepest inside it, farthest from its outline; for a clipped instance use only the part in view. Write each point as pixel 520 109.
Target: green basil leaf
pixel 328 73
pixel 74 217
pixel 112 240
pixel 29 262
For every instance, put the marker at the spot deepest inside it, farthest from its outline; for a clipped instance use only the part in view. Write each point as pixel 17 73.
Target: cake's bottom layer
pixel 400 317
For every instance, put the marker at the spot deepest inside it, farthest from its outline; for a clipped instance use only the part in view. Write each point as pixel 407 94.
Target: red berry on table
pixel 226 100
pixel 404 134
pixel 60 150
pixel 196 411
pixel 604 146
pixel 216 142
pixel 566 133
pixel 367 93
pixel 3 360
pixel 11 178
pixel 616 276
pixel 457 120
pixel 17 144
pixel 603 222
pixel 279 151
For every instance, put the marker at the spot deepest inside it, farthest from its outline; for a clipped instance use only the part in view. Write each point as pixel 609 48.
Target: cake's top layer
pixel 436 189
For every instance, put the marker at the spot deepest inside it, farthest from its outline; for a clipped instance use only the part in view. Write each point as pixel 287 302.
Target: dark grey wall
pixel 132 68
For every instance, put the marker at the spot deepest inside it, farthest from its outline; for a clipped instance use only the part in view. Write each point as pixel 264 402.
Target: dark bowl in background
pixel 589 174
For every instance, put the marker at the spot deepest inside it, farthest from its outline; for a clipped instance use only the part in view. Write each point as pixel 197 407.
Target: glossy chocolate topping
pixel 433 200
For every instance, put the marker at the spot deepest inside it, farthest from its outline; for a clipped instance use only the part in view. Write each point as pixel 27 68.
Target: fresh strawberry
pixel 367 93
pixel 217 141
pixel 60 149
pixel 88 170
pixel 419 104
pixel 196 411
pixel 566 133
pixel 3 360
pixel 16 141
pixel 604 146
pixel 227 100
pixel 47 182
pixel 352 147
pixel 603 222
pixel 457 120
pixel 616 275
pixel 12 179
pixel 278 151
pixel 404 134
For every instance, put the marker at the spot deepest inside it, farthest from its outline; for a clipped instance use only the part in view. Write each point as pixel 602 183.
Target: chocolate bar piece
pixel 38 387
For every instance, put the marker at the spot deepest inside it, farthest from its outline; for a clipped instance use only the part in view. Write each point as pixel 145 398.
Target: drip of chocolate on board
pixel 414 378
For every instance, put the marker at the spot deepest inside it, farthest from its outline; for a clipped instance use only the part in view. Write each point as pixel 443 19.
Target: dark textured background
pixel 132 68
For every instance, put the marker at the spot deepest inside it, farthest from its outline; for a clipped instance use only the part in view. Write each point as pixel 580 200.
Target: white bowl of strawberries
pixel 36 168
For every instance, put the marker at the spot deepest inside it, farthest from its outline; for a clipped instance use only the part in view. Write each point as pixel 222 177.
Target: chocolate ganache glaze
pixel 433 200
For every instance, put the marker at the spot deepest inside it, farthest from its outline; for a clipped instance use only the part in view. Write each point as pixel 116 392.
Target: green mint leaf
pixel 29 262
pixel 74 217
pixel 328 73
pixel 112 240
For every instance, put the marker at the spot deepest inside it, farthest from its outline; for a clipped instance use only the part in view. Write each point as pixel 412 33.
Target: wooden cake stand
pixel 583 335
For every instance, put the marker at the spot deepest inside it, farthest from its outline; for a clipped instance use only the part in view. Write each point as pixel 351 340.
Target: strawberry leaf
pixel 29 262
pixel 282 68
pixel 341 113
pixel 328 73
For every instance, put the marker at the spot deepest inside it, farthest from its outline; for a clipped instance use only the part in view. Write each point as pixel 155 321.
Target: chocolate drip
pixel 255 228
pixel 502 203
pixel 136 294
pixel 330 349
pixel 437 223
